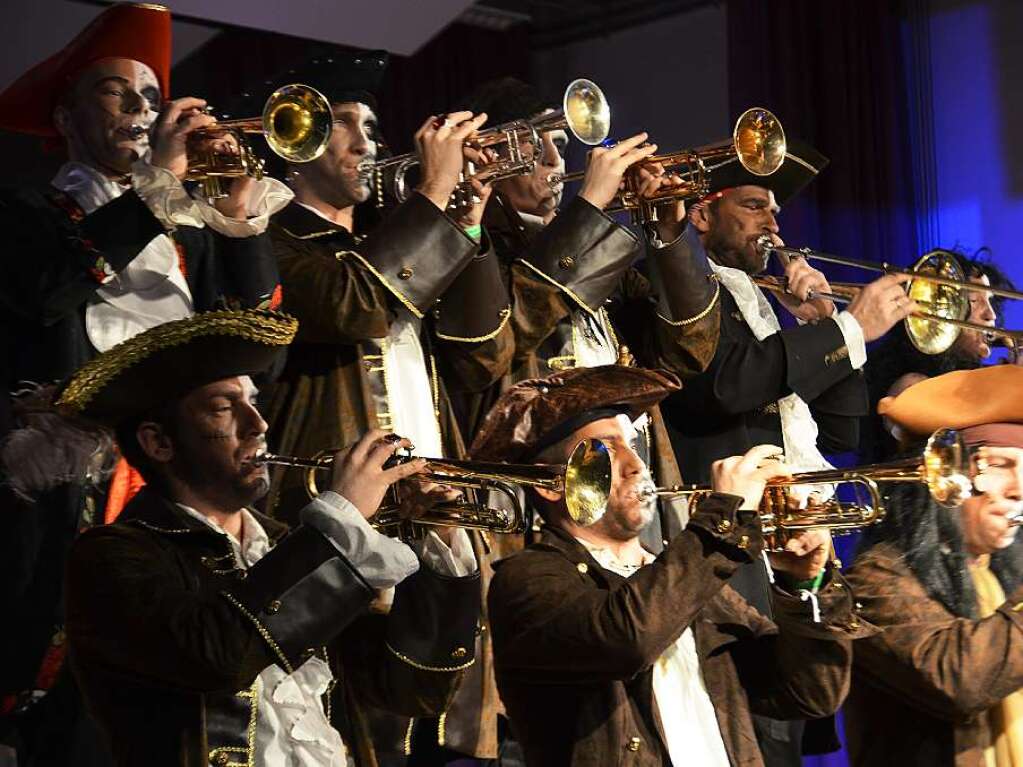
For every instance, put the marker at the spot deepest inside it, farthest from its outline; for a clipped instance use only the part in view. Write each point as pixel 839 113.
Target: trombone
pixel 297 122
pixel 584 111
pixel 938 283
pixel 944 467
pixel 585 481
pixel 757 143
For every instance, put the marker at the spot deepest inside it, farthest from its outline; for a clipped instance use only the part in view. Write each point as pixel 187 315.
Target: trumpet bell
pixel 587 483
pixel 586 111
pixel 297 122
pixel 759 141
pixel 946 468
pixel 929 335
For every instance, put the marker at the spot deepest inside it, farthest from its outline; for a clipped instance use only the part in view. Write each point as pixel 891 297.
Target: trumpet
pixel 757 143
pixel 585 482
pixel 584 112
pixel 938 284
pixel 944 467
pixel 297 122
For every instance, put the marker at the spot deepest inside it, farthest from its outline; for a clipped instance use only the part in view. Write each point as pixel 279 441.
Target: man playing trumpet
pixel 941 684
pixel 605 652
pixel 205 633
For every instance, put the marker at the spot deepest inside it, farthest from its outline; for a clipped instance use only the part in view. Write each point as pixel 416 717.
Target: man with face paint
pixel 391 318
pixel 896 364
pixel 941 684
pixel 203 632
pixel 606 653
pixel 114 246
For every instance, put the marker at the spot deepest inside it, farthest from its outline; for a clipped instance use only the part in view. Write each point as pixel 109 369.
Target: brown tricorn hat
pixel 965 400
pixel 540 412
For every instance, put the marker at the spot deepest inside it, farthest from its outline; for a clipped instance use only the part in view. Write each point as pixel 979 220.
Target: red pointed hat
pixel 141 32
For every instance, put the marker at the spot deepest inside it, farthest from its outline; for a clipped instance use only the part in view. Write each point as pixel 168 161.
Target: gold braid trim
pixel 422 667
pixel 249 753
pixel 701 315
pixel 505 315
pixel 405 300
pixel 267 637
pixel 566 290
pixel 259 326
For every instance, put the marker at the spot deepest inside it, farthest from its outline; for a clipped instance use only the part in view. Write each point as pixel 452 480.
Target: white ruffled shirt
pixel 799 430
pixel 691 729
pixel 292 728
pixel 151 289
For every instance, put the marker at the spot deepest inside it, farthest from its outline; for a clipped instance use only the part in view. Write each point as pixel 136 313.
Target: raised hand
pixel 358 471
pixel 606 168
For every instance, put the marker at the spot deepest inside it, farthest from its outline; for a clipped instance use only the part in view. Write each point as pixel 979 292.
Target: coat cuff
pixel 584 253
pixel 417 254
pixel 734 531
pixel 300 595
pixel 268 197
pixel 476 307
pixel 681 276
pixel 432 623
pixel 110 237
pixel 836 603
pixel 816 358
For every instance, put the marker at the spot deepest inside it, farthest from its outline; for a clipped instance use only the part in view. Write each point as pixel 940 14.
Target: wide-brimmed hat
pixel 540 412
pixel 986 404
pixel 802 164
pixel 172 359
pixel 141 32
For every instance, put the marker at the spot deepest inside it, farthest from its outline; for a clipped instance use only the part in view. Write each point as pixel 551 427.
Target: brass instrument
pixel 938 283
pixel 297 121
pixel 584 112
pixel 944 467
pixel 585 481
pixel 757 143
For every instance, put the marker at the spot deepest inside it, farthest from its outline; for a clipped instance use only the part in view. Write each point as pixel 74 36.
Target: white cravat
pixel 691 729
pixel 151 289
pixel 799 430
pixel 407 380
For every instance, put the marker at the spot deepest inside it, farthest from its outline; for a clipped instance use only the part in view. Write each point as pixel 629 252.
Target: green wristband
pixel 474 232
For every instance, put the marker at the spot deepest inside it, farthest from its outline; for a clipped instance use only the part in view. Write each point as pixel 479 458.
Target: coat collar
pixel 302 224
pixel 155 512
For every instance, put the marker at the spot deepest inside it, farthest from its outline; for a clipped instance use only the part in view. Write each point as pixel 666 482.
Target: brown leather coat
pixel 167 636
pixel 581 262
pixel 923 687
pixel 574 645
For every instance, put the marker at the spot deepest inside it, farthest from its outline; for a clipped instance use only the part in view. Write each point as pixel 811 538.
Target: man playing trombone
pixel 205 633
pixel 607 654
pixel 941 684
pixel 800 387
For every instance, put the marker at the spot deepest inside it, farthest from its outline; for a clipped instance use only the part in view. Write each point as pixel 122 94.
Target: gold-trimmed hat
pixel 540 412
pixel 965 400
pixel 174 358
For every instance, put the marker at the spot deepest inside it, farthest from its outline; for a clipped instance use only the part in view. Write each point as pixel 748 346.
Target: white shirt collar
pixel 255 542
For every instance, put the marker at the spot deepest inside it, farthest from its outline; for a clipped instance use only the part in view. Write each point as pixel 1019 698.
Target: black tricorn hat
pixel 341 77
pixel 801 165
pixel 506 99
pixel 172 359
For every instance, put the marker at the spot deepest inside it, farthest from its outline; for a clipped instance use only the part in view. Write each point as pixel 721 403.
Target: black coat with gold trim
pixel 167 637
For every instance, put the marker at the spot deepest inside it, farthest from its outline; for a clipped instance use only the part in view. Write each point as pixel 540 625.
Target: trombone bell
pixel 930 335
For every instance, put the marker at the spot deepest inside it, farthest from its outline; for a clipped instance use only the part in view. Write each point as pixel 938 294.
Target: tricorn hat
pixel 540 412
pixel 141 32
pixel 801 165
pixel 172 359
pixel 986 404
pixel 507 99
